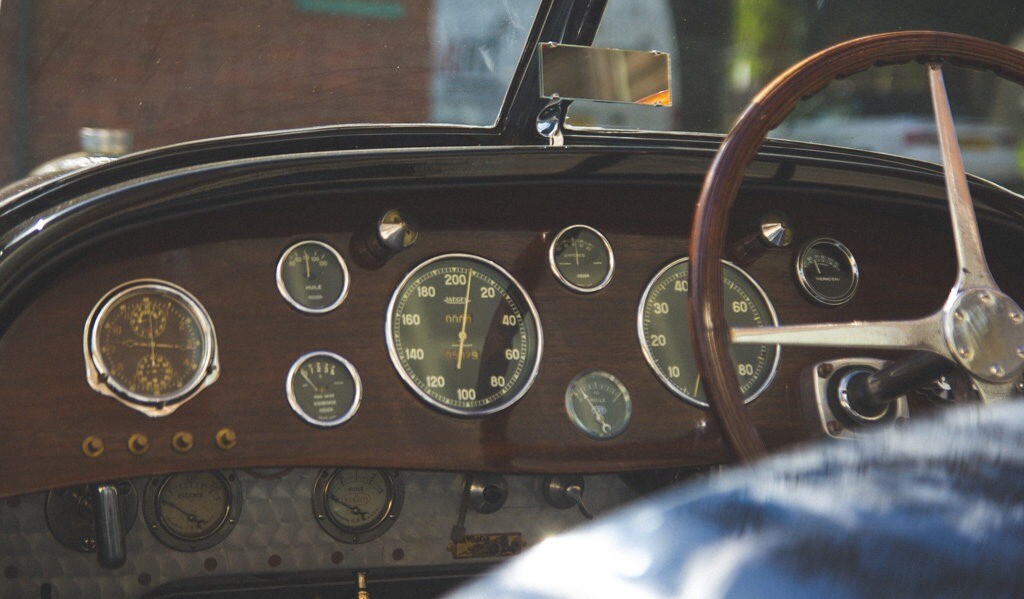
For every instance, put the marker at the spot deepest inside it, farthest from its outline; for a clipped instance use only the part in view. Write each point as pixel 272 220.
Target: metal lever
pixel 564 492
pixel 110 543
pixel 871 393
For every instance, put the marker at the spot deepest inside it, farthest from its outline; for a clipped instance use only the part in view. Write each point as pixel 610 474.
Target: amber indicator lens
pixel 312 277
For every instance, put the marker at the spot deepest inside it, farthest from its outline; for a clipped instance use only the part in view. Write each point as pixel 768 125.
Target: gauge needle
pixel 816 267
pixel 605 427
pixel 696 387
pixel 131 343
pixel 355 510
pixel 191 517
pixel 576 251
pixel 308 380
pixel 152 340
pixel 465 314
pixel 305 256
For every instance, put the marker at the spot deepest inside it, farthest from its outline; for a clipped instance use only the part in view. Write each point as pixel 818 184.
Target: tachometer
pixel 664 327
pixel 464 335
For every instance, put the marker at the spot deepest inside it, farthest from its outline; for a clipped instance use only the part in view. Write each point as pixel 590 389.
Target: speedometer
pixel 464 335
pixel 664 327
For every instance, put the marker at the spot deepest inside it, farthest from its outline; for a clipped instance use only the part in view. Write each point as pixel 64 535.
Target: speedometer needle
pixel 465 315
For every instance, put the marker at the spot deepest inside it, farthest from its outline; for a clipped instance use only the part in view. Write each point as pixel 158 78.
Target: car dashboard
pixel 259 462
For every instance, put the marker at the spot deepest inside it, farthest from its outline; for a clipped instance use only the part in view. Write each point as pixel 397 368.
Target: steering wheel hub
pixel 984 329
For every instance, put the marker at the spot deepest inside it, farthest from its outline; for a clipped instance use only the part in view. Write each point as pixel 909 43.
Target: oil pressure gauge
pixel 355 505
pixel 194 510
pixel 827 271
pixel 581 259
pixel 598 404
pixel 312 277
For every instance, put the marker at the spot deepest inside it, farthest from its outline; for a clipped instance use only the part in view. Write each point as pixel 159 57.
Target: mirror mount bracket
pixel 551 120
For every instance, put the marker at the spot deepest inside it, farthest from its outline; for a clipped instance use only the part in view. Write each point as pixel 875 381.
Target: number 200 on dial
pixel 464 335
pixel 664 328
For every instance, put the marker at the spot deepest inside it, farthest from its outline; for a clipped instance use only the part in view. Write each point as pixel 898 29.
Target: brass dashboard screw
pixel 226 438
pixel 182 441
pixel 92 446
pixel 138 444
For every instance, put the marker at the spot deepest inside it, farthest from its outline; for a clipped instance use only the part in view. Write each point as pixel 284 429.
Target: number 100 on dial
pixel 464 335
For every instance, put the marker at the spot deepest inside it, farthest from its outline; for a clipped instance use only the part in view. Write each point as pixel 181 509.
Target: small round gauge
pixel 192 511
pixel 664 327
pixel 323 388
pixel 70 517
pixel 582 259
pixel 464 335
pixel 312 277
pixel 598 404
pixel 356 506
pixel 827 271
pixel 150 343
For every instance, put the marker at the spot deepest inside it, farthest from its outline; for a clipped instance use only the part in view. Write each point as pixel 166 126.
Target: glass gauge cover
pixel 312 277
pixel 150 343
pixel 464 335
pixel 581 259
pixel 827 271
pixel 663 324
pixel 70 517
pixel 192 511
pixel 323 388
pixel 598 404
pixel 356 506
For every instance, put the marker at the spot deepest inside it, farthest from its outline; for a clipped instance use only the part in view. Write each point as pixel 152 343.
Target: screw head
pixel 997 370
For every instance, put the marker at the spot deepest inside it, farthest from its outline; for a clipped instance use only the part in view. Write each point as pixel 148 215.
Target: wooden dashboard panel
pixel 226 258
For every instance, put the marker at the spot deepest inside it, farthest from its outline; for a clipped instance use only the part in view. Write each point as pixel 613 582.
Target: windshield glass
pixel 169 71
pixel 724 52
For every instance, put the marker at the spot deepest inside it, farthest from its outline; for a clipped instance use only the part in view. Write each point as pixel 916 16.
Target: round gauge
pixel 356 506
pixel 598 404
pixel 464 335
pixel 582 259
pixel 151 343
pixel 827 271
pixel 664 327
pixel 192 511
pixel 312 277
pixel 70 517
pixel 323 388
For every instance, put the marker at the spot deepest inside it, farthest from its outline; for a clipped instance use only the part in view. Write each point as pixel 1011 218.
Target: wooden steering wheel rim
pixel 710 333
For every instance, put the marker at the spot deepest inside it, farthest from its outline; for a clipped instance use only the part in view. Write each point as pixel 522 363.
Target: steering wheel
pixel 979 327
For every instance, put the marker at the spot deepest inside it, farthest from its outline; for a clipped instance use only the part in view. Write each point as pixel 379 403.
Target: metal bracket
pixel 551 120
pixel 833 425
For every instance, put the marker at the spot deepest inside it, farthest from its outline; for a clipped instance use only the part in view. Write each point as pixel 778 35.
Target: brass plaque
pixel 498 544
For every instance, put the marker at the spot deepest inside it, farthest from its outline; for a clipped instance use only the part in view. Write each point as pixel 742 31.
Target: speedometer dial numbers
pixel 150 345
pixel 464 335
pixel 664 328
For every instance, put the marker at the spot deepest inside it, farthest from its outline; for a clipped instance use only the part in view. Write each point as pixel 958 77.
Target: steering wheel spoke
pixel 970 255
pixel 922 334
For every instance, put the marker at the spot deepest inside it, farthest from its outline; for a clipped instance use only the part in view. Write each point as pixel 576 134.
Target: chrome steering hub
pixel 984 329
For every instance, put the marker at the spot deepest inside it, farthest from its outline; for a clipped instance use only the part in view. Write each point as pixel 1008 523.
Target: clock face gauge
pixel 464 335
pixel 312 277
pixel 150 342
pixel 581 259
pixel 356 505
pixel 323 388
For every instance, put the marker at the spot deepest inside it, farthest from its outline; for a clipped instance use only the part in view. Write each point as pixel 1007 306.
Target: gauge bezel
pixel 805 284
pixel 432 402
pixel 283 289
pixel 667 382
pixel 294 402
pixel 151 511
pixel 395 491
pixel 574 417
pixel 98 374
pixel 562 279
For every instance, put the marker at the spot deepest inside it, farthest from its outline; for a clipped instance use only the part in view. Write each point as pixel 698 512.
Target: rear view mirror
pixel 605 74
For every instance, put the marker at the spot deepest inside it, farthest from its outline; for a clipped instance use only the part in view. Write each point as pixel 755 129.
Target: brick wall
pixel 173 70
